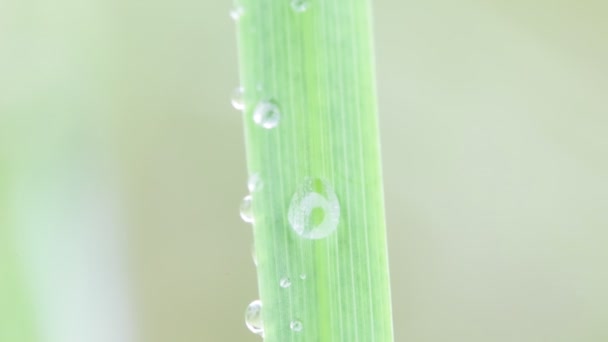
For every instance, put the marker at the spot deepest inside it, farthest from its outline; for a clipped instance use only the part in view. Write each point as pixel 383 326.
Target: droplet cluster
pixel 314 210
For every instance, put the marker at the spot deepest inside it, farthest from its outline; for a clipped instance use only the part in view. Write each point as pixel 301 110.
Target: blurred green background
pixel 122 165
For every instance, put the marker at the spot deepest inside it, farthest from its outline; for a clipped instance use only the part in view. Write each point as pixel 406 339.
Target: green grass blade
pixel 316 65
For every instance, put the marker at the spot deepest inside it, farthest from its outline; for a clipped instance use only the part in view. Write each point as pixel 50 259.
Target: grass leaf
pixel 311 132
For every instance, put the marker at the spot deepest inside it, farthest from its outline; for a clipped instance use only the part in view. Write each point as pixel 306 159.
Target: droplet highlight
pixel 296 326
pixel 254 183
pixel 314 211
pixel 238 98
pixel 303 276
pixel 267 114
pixel 246 209
pixel 299 5
pixel 285 282
pixel 253 317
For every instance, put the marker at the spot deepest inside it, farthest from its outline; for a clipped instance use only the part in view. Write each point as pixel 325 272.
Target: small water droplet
pixel 253 317
pixel 285 282
pixel 303 276
pixel 254 255
pixel 237 11
pixel 314 211
pixel 299 5
pixel 295 326
pixel 238 98
pixel 267 114
pixel 254 183
pixel 246 209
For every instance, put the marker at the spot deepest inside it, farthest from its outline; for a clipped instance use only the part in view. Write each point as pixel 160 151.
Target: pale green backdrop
pixel 122 166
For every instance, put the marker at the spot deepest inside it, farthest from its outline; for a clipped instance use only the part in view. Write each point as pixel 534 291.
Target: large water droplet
pixel 267 114
pixel 285 282
pixel 314 212
pixel 254 183
pixel 299 5
pixel 295 326
pixel 253 317
pixel 238 98
pixel 246 209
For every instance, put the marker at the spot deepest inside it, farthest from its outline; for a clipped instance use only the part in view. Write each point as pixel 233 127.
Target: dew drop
pixel 285 282
pixel 295 326
pixel 299 5
pixel 314 212
pixel 303 276
pixel 254 183
pixel 237 11
pixel 253 317
pixel 238 98
pixel 246 209
pixel 254 255
pixel 267 114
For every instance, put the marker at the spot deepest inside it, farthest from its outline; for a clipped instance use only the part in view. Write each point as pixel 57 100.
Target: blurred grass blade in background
pixel 16 312
pixel 316 202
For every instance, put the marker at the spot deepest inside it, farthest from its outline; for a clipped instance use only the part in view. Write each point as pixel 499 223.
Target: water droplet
pixel 295 326
pixel 267 114
pixel 254 183
pixel 253 317
pixel 303 276
pixel 237 11
pixel 299 5
pixel 314 212
pixel 246 209
pixel 254 255
pixel 238 98
pixel 285 282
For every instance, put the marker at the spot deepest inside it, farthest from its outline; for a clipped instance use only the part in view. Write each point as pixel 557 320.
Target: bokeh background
pixel 122 165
